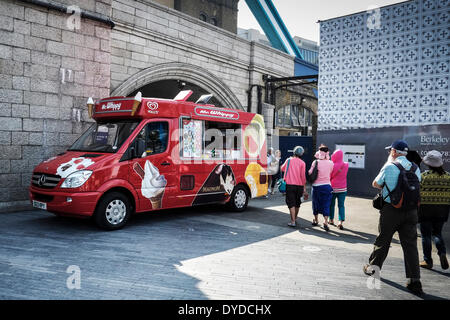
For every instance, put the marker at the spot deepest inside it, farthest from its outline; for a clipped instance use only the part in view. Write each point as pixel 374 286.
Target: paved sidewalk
pixel 204 253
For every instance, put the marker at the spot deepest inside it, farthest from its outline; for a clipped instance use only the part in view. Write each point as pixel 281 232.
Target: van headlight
pixel 76 179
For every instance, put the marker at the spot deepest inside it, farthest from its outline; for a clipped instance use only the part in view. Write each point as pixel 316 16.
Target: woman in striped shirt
pixel 434 208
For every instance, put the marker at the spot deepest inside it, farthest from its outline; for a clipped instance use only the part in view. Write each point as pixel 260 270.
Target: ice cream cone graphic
pixel 156 201
pixel 137 101
pixel 153 184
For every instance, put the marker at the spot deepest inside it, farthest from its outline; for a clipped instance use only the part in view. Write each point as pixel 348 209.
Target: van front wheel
pixel 239 199
pixel 113 211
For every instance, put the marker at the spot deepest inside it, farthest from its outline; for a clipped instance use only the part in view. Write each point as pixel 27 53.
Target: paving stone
pixel 157 257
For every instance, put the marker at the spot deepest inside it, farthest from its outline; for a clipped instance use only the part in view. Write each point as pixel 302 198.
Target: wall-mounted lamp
pixel 181 84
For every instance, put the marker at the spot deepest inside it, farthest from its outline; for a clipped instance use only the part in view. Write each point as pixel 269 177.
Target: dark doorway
pixel 168 89
pixel 288 143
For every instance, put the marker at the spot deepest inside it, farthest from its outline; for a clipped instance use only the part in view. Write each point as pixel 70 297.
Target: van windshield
pixel 105 136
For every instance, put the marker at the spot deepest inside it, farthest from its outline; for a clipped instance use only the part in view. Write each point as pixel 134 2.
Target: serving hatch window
pixel 210 139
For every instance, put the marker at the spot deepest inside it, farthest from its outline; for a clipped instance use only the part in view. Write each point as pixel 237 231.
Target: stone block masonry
pixel 47 69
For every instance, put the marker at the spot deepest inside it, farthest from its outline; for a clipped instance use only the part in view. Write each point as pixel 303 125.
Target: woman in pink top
pixel 322 191
pixel 339 185
pixel 295 178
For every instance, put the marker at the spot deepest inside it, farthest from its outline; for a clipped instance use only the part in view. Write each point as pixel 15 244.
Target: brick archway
pixel 183 72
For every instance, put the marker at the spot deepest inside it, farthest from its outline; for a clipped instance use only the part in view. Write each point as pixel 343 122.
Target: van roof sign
pixel 129 108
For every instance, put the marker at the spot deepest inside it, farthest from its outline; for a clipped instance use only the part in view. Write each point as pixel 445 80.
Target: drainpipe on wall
pixel 259 91
pixel 250 98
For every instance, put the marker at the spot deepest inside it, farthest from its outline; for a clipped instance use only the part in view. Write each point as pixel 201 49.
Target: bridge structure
pixel 273 26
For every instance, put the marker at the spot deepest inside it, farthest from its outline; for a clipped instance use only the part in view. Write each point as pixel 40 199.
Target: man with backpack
pixel 399 180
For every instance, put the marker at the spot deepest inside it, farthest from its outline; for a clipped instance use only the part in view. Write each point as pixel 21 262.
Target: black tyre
pixel 113 211
pixel 239 199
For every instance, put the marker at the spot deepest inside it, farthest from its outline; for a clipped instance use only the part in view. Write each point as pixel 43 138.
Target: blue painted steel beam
pixel 270 21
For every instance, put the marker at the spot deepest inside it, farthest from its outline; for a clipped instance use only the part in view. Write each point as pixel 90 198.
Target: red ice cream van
pixel 145 154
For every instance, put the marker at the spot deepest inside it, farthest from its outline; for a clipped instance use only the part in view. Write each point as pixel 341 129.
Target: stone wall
pixel 47 71
pixel 222 13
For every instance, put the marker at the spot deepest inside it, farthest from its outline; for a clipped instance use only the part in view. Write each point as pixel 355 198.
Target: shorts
pixel 294 194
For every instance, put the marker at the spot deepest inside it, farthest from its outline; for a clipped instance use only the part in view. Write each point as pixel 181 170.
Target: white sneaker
pixel 270 190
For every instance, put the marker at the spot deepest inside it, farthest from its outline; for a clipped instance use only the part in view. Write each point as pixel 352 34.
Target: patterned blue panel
pixel 390 71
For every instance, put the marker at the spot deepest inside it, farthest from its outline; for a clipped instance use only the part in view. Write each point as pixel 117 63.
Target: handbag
pixel 378 200
pixel 313 176
pixel 281 182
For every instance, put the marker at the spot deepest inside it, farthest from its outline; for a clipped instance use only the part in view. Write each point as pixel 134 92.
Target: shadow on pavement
pixel 425 296
pixel 139 261
pixel 445 274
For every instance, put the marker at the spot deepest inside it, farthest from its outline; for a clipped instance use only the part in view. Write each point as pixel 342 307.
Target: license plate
pixel 39 205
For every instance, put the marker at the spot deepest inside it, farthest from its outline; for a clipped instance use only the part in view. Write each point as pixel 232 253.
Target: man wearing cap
pixel 396 220
pixel 294 169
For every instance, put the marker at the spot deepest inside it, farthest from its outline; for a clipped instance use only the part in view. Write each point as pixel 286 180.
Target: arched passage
pixel 174 74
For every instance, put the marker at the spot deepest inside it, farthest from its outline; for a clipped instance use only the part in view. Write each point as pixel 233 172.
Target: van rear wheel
pixel 113 211
pixel 239 199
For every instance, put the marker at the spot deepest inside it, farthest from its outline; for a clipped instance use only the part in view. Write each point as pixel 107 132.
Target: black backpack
pixel 406 194
pixel 313 176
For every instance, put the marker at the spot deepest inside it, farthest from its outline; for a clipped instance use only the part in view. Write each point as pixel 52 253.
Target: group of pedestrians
pixel 429 206
pixel 329 182
pixel 408 198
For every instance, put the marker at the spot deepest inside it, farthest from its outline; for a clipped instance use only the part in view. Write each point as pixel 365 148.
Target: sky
pixel 301 16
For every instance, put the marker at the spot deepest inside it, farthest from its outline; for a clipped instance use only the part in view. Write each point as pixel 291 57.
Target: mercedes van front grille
pixel 45 180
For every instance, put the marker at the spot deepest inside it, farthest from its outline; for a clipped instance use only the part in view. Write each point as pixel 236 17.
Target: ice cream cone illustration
pixel 153 184
pixel 136 103
pixel 90 104
pixel 156 201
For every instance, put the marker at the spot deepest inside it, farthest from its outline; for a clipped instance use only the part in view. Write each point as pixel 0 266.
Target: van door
pixel 153 175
